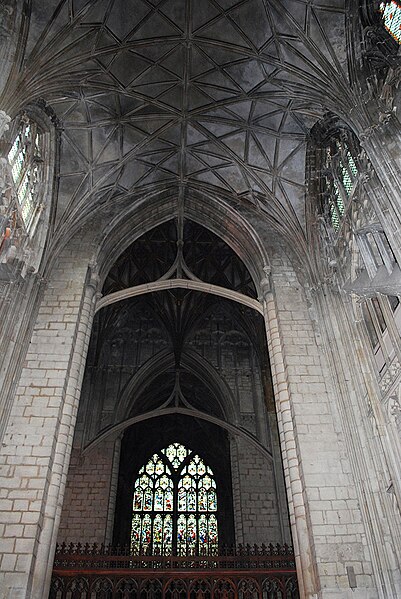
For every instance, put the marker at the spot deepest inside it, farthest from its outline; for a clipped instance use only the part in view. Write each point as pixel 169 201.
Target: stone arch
pixel 223 221
pixel 116 430
pixel 195 364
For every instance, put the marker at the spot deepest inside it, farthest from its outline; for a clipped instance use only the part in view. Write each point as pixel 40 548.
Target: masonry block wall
pixel 257 517
pixel 37 442
pixel 87 495
pixel 325 511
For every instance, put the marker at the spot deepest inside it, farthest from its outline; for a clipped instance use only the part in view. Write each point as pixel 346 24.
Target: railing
pixel 105 572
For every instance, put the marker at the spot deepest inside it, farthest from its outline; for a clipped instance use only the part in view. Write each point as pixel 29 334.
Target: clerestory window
pixel 26 162
pixel 391 16
pixel 175 505
pixel 340 174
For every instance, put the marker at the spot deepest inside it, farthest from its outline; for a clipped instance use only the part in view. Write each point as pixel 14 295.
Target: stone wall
pixel 256 516
pixel 37 443
pixel 87 494
pixel 326 515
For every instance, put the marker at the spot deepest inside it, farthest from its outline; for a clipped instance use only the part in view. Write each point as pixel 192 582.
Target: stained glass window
pixel 340 173
pixel 391 15
pixel 26 168
pixel 175 505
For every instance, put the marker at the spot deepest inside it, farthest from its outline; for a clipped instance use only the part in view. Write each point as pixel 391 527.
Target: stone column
pixel 302 544
pixel 382 144
pixel 36 448
pixel 328 533
pixel 48 537
pixel 108 537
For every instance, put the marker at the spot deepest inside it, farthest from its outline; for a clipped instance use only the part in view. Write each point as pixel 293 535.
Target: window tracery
pixel 22 191
pixel 354 237
pixel 340 175
pixel 391 18
pixel 25 159
pixel 175 505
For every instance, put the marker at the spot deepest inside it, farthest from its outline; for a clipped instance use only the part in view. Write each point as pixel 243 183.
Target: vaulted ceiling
pixel 216 96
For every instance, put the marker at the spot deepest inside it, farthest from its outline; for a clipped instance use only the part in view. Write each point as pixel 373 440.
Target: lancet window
pixel 175 505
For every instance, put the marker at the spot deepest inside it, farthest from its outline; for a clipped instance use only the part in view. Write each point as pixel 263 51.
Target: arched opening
pixel 143 440
pixel 177 367
pixel 175 505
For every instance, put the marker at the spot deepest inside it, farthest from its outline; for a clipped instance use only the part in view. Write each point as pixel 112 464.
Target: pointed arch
pixel 175 505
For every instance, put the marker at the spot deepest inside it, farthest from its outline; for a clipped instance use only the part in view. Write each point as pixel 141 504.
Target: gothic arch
pixel 192 361
pixel 217 216
pixel 114 431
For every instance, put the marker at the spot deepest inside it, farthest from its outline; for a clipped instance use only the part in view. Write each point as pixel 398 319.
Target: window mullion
pixel 175 516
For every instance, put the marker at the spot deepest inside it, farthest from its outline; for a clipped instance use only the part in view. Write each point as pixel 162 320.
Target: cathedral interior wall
pixel 261 139
pixel 86 501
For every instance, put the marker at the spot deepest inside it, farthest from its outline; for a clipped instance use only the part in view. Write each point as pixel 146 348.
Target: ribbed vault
pixel 212 96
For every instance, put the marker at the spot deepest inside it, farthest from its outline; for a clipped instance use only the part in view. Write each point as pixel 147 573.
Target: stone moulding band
pixel 231 428
pixel 138 290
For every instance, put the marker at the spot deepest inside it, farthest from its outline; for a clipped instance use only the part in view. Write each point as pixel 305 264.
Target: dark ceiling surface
pixel 212 95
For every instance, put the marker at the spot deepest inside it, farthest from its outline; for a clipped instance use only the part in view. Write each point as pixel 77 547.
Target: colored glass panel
pixel 187 481
pixel 213 535
pixel 191 501
pixel 159 468
pixel 339 179
pixel 135 533
pixel 148 497
pixel 181 534
pixel 176 454
pixel 203 536
pixel 144 481
pixel 138 500
pixel 191 532
pixel 168 500
pixel 182 499
pixel 164 482
pixel 146 536
pixel 212 500
pixel 391 15
pixel 158 532
pixel 202 500
pixel 159 496
pixel 26 169
pixel 168 535
pixel 207 482
pixel 154 509
pixel 150 467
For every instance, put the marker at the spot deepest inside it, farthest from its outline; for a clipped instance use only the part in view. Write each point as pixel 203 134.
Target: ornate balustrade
pixel 105 572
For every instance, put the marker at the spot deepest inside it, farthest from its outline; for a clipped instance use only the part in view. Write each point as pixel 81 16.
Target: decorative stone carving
pixel 265 284
pixel 4 122
pixel 380 50
pixel 390 375
pixel 390 86
pixel 394 408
